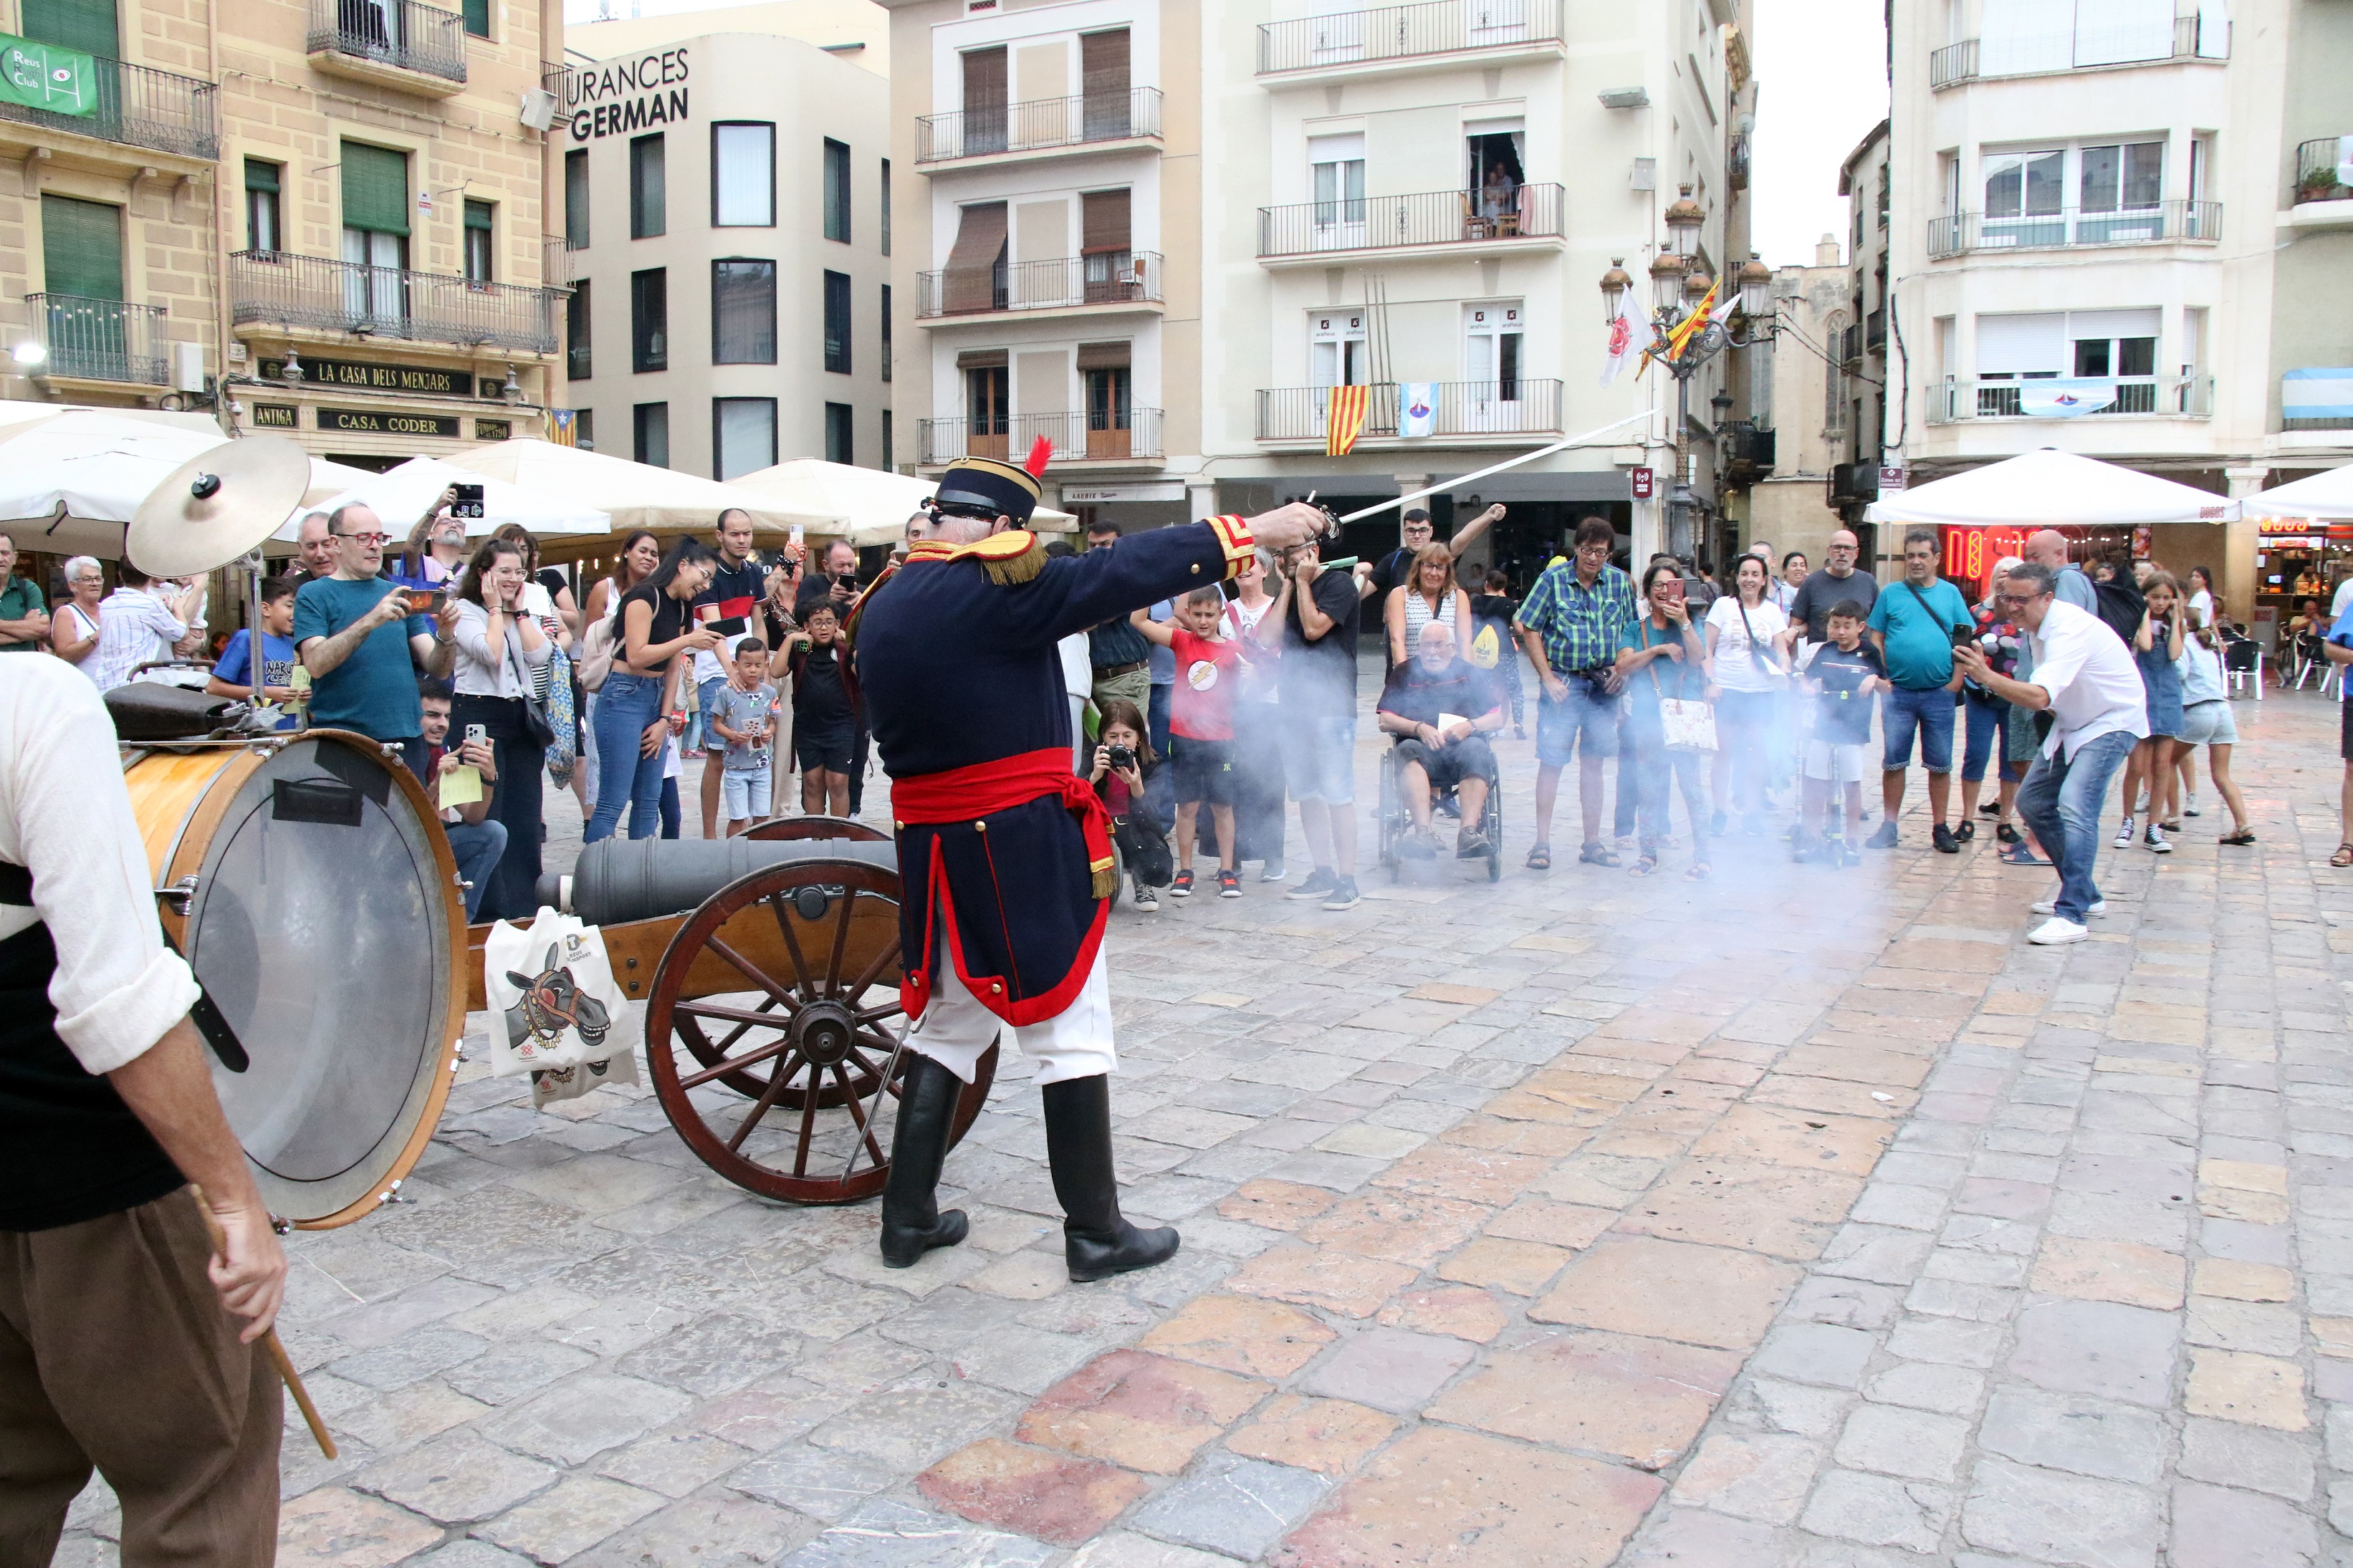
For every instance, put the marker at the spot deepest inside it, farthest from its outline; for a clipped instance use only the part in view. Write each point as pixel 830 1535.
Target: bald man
pixel 2048 547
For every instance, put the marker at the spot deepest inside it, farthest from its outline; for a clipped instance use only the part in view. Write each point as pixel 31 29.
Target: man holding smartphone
pixel 363 642
pixel 737 589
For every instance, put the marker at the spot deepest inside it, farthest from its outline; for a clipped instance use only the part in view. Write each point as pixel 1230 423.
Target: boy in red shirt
pixel 1202 730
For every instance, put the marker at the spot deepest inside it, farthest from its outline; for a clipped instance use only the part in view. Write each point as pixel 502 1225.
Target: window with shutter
pixel 744 175
pixel 976 279
pixel 89 25
pixel 743 433
pixel 477 17
pixel 262 179
pixel 1104 80
pixel 375 189
pixel 81 247
pixel 479 243
pixel 984 100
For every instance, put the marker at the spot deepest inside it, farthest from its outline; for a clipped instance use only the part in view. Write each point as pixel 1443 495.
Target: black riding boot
pixel 1096 1242
pixel 912 1221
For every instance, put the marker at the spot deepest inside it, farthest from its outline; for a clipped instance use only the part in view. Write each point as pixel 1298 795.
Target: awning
pixel 2051 489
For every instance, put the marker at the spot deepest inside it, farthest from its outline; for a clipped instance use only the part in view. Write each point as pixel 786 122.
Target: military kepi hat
pixel 992 486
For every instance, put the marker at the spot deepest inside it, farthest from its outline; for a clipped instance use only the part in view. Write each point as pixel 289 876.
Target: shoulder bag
pixel 596 649
pixel 1764 667
pixel 1689 725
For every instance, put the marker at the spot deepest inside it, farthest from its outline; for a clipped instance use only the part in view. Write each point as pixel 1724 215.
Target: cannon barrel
pixel 619 879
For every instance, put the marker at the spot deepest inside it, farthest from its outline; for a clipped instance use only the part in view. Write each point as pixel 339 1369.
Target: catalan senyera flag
pixel 1694 322
pixel 1347 405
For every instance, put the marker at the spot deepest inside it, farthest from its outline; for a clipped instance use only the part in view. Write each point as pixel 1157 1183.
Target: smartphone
pixel 729 625
pixel 425 601
pixel 469 501
pixel 476 734
pixel 1673 589
pixel 798 535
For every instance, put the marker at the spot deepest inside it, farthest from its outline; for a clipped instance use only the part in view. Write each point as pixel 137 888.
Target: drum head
pixel 321 927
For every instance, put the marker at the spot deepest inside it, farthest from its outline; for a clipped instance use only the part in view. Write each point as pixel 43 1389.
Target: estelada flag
pixel 562 429
pixel 1347 405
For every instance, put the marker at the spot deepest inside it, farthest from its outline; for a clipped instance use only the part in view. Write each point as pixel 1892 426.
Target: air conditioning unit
pixel 188 367
pixel 538 110
pixel 1626 98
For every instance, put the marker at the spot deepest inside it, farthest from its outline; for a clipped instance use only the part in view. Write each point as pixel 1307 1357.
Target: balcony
pixel 310 293
pixel 1509 219
pixel 1103 283
pixel 2197 223
pixel 1957 398
pixel 134 107
pixel 1469 413
pixel 999 131
pixel 2080 48
pixel 1874 332
pixel 1402 37
pixel 393 43
pixel 1129 434
pixel 100 340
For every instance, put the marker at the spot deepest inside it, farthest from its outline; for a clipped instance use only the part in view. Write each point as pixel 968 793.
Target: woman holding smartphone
pixel 636 709
pixel 1747 647
pixel 500 646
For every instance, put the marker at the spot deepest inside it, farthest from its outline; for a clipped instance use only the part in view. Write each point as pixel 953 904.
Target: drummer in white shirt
pixel 126 1344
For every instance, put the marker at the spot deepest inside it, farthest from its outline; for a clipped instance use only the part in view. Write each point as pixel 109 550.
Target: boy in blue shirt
pixel 232 674
pixel 1841 677
pixel 1913 623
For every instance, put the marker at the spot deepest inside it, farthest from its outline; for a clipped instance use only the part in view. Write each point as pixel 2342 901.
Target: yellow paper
pixel 300 681
pixel 461 786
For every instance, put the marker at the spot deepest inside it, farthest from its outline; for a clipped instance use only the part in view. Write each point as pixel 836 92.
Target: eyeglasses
pixel 365 538
pixel 2016 600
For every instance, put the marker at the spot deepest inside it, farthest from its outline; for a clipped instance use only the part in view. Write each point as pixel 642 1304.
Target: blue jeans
pixel 626 706
pixel 2060 803
pixel 477 847
pixel 1985 714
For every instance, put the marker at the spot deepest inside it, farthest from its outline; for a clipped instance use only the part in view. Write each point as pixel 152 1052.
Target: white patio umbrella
pixel 2326 496
pixel 401 495
pixel 2051 489
pixel 69 480
pixel 634 495
pixel 875 504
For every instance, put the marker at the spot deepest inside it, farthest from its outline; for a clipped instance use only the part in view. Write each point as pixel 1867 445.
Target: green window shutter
pixel 85 25
pixel 81 247
pixel 477 17
pixel 375 188
pixel 260 175
pixel 477 214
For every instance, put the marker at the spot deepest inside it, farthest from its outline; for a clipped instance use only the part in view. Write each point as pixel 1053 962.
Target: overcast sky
pixel 1821 70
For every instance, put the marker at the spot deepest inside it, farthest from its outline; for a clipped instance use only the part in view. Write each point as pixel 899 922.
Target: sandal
pixel 2244 835
pixel 2020 855
pixel 1540 857
pixel 2008 833
pixel 1647 866
pixel 1598 854
pixel 1698 872
pixel 2173 826
pixel 2344 856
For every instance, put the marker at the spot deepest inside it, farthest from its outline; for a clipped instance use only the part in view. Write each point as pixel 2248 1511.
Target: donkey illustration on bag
pixel 551 1001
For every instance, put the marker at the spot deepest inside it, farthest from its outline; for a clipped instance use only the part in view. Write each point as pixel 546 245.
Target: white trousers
pixel 956 1030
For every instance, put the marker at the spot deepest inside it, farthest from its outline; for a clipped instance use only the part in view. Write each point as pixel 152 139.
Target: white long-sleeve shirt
pixel 66 816
pixel 2094 686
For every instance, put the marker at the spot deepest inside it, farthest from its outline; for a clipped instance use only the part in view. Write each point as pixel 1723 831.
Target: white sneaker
pixel 2156 840
pixel 2124 835
pixel 2054 930
pixel 2051 907
pixel 2189 808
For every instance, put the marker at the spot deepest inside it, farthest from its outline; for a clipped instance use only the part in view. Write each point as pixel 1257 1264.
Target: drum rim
pixel 191 848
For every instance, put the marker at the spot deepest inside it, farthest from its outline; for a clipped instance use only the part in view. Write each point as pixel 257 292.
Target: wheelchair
pixel 1396 821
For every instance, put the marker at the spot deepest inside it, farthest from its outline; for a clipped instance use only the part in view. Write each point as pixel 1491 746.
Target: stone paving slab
pixel 1804 1217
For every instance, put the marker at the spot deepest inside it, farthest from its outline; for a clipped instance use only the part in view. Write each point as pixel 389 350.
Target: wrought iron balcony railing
pixel 1078 436
pixel 399 33
pixel 1957 398
pixel 2324 169
pixel 1521 408
pixel 1404 33
pixel 1106 277
pixel 100 340
pixel 1430 217
pixel 2196 222
pixel 978 130
pixel 138 108
pixel 2079 49
pixel 387 303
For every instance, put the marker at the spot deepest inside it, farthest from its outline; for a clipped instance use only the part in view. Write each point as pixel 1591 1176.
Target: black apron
pixel 70 1148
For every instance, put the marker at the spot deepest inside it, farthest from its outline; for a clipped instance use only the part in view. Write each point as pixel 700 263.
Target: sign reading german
pixel 375 377
pixel 620 97
pixel 370 422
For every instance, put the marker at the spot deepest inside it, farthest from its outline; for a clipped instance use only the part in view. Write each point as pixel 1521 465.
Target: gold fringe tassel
pixel 1107 880
pixel 1020 568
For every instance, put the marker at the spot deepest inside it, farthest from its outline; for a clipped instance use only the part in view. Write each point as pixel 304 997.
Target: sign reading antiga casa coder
pixel 623 96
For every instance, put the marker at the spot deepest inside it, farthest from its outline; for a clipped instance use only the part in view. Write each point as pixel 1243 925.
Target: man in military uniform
pixel 1004 854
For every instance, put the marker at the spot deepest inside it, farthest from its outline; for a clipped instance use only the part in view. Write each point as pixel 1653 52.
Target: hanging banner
pixel 2063 397
pixel 1620 347
pixel 1417 408
pixel 46 78
pixel 1346 416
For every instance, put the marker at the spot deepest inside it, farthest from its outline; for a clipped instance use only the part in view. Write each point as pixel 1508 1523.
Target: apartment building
pixel 1159 235
pixel 1803 404
pixel 325 213
pixel 2116 227
pixel 1866 178
pixel 727 231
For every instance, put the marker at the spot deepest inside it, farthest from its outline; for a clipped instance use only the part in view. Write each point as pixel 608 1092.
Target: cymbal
pixel 218 507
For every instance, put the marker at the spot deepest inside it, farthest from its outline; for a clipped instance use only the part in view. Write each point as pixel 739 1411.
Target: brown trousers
pixel 115 1351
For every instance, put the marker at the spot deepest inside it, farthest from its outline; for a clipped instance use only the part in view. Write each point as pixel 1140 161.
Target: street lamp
pixel 1678 284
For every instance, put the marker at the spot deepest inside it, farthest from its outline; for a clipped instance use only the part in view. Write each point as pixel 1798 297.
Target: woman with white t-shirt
pixel 1747 662
pixel 1258 727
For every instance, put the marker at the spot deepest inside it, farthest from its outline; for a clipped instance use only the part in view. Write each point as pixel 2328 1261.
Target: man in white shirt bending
pixel 2085 678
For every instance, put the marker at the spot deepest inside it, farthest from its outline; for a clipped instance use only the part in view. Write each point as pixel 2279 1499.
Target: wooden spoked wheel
pixel 818 827
pixel 781 990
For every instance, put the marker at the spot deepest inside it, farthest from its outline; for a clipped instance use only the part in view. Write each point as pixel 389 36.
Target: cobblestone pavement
pixel 1807 1218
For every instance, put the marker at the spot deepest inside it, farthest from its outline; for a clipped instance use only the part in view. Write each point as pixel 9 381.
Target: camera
pixel 1122 757
pixel 467 501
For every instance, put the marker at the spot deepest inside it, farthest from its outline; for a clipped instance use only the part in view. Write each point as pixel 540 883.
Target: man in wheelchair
pixel 1441 708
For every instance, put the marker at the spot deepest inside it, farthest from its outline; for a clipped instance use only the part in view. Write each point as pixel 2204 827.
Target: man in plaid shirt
pixel 1571 626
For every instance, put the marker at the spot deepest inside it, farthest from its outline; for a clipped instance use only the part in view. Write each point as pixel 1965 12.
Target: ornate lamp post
pixel 1677 288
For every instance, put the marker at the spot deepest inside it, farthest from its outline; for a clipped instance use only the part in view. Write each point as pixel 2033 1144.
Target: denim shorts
pixel 1319 756
pixel 746 795
pixel 1931 712
pixel 1580 713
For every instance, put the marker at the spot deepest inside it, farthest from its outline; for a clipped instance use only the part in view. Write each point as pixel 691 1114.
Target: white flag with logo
pixel 1619 351
pixel 1417 408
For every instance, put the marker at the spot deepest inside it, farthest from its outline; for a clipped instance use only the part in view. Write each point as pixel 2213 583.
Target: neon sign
pixel 1971 553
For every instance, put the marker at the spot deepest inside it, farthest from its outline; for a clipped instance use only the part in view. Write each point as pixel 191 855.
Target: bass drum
pixel 309 883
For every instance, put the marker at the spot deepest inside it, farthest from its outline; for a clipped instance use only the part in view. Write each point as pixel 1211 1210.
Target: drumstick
pixel 269 1341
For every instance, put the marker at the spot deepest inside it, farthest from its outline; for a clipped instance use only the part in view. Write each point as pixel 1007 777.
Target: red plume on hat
pixel 1042 452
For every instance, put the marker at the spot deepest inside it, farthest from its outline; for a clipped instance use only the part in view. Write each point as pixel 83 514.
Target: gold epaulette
pixel 1014 556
